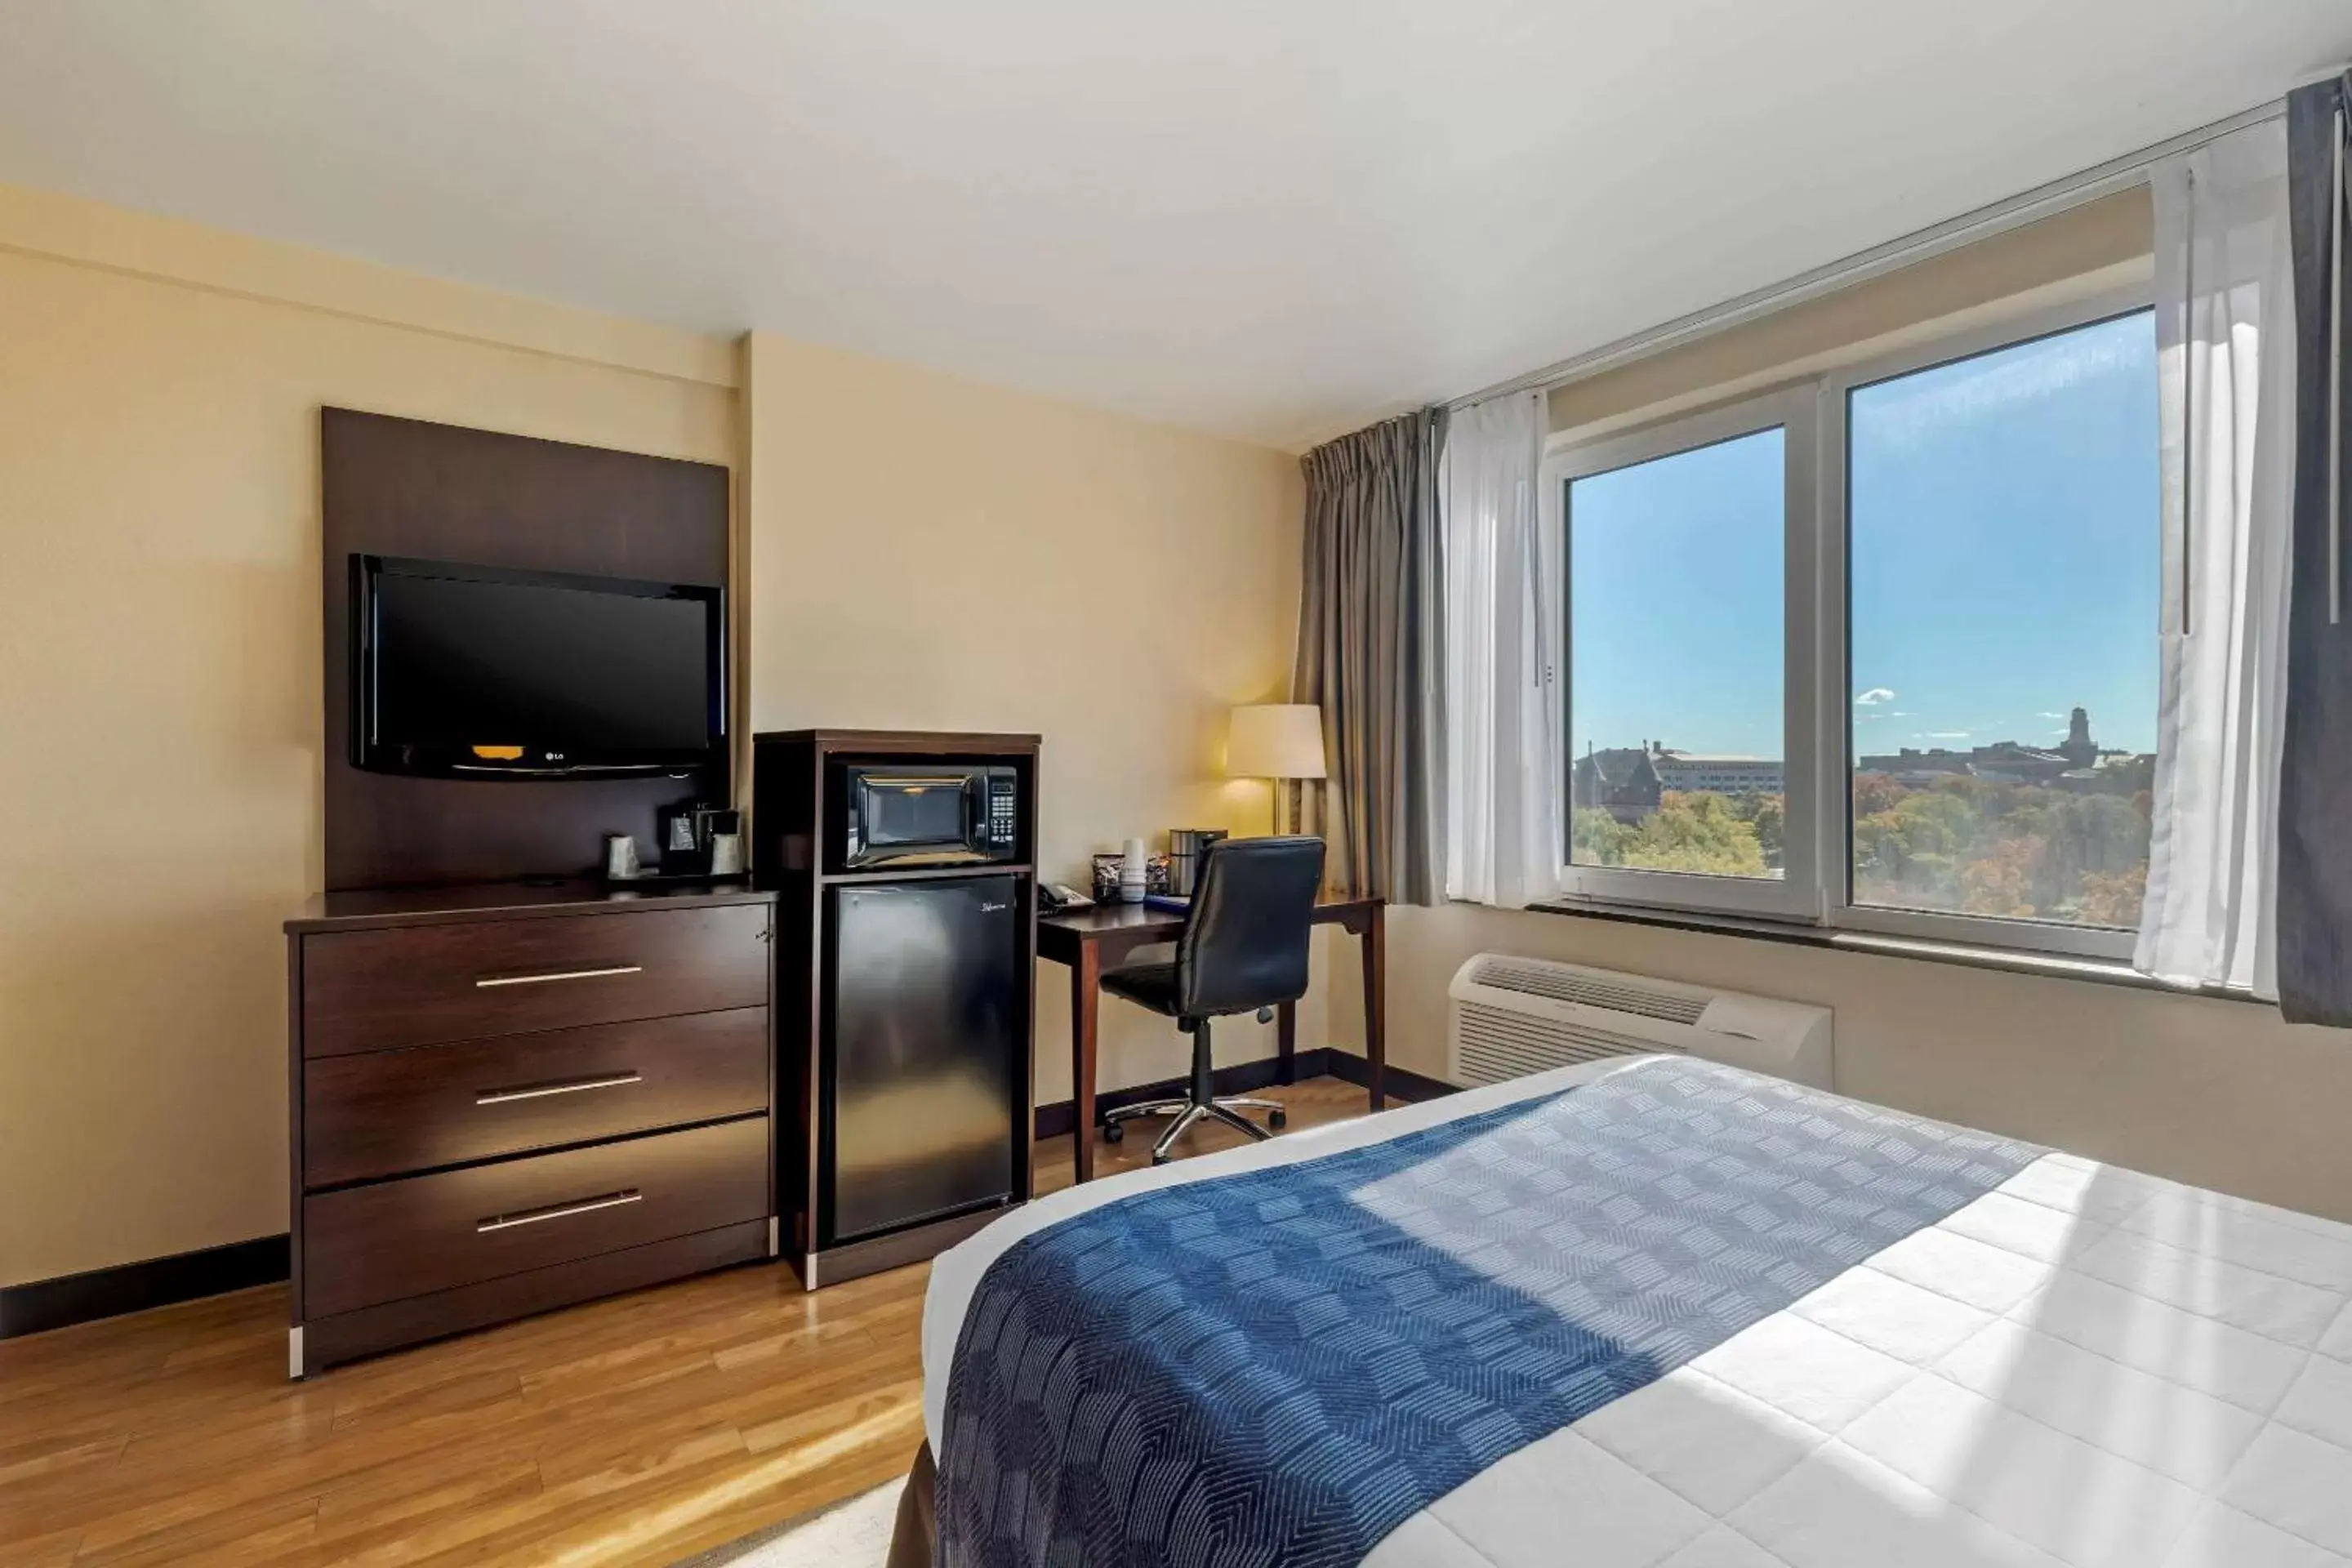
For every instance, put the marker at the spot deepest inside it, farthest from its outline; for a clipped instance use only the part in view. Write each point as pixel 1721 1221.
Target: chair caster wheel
pixel 1277 1120
pixel 1114 1132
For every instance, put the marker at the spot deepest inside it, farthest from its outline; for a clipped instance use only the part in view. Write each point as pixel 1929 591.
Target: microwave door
pixel 915 817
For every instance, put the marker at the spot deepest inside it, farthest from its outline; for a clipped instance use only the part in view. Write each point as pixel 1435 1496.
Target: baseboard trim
pixel 1402 1083
pixel 69 1298
pixel 59 1303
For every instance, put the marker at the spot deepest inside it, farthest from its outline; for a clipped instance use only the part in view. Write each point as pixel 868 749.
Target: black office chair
pixel 1242 951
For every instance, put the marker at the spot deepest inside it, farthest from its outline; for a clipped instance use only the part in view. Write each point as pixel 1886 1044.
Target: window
pixel 2003 517
pixel 1681 666
pixel 1952 635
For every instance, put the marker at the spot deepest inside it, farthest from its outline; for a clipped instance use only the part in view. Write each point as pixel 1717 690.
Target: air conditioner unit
pixel 1512 1016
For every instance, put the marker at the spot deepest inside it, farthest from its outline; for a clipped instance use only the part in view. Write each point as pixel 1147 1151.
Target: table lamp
pixel 1275 740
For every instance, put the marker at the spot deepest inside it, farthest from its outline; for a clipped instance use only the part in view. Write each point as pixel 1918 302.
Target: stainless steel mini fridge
pixel 925 1049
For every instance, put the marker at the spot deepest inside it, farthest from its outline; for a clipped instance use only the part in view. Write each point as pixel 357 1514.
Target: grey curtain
pixel 1372 652
pixel 2315 894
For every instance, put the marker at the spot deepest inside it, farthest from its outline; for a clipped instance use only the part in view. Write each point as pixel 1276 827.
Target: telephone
pixel 1054 898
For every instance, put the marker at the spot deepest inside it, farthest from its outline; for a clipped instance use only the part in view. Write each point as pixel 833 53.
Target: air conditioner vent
pixel 1498 1045
pixel 1514 1016
pixel 1562 983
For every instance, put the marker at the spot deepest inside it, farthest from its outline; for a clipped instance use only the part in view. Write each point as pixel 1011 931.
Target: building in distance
pixel 2075 764
pixel 1619 780
pixel 1628 781
pixel 1717 773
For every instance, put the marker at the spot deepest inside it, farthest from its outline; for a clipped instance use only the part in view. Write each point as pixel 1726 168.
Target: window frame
pixel 1817 715
pixel 1796 892
pixel 1835 828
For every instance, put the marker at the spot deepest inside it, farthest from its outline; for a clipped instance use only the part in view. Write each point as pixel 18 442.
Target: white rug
pixel 855 1533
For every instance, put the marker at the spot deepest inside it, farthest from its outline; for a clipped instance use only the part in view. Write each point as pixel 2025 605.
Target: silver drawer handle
pixel 488 981
pixel 559 1211
pixel 568 1086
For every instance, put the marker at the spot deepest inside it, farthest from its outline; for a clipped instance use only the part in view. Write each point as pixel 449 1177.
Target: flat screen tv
pixel 478 672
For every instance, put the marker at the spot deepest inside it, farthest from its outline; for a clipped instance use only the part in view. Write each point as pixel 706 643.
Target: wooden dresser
pixel 511 1098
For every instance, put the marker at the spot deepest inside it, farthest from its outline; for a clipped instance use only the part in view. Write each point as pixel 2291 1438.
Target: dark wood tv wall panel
pixel 406 487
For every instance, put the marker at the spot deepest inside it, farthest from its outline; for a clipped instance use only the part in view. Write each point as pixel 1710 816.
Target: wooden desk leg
pixel 1285 1042
pixel 1086 1000
pixel 1376 1004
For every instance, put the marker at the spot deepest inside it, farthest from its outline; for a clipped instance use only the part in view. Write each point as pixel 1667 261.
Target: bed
pixel 1653 1313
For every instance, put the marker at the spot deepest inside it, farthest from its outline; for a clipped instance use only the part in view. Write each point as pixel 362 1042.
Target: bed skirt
pixel 915 1543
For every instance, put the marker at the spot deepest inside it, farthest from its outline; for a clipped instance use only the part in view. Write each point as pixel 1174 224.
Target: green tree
pixel 1771 824
pixel 1597 838
pixel 1938 822
pixel 1691 832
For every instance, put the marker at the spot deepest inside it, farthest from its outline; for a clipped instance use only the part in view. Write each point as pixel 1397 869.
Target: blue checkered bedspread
pixel 1277 1368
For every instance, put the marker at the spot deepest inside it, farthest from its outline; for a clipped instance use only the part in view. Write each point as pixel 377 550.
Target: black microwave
pixel 924 813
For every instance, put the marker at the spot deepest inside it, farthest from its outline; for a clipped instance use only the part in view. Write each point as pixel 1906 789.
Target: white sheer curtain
pixel 1504 594
pixel 2225 341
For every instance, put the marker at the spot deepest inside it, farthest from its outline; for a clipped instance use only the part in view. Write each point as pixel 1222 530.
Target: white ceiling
pixel 1270 219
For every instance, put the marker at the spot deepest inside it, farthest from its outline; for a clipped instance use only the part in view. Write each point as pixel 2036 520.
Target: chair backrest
pixel 1245 942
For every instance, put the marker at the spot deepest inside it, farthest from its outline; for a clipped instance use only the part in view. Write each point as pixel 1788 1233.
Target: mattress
pixel 2078 1365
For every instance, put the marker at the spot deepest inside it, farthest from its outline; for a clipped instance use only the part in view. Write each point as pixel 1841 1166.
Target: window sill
pixel 2055 967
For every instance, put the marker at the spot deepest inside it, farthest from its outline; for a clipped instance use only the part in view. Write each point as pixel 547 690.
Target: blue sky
pixel 2004 564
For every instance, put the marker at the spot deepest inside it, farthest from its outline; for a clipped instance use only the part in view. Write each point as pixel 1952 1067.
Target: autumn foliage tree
pixel 2000 881
pixel 2114 898
pixel 1969 845
pixel 1994 847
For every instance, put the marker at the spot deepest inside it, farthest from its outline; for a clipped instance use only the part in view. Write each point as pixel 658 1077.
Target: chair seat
pixel 1152 985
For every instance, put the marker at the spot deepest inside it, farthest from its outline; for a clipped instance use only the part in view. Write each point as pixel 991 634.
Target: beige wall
pixel 158 624
pixel 159 392
pixel 2219 1093
pixel 930 554
pixel 2099 245
pixel 158 616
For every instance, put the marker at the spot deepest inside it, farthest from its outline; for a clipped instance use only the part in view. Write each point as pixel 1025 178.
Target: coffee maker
pixel 1185 847
pixel 686 832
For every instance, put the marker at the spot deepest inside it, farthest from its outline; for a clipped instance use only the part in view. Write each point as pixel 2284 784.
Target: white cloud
pixel 1875 696
pixel 1942 735
pixel 2053 715
pixel 1932 403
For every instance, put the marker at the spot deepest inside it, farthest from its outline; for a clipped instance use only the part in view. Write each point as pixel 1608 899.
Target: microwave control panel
pixel 1001 824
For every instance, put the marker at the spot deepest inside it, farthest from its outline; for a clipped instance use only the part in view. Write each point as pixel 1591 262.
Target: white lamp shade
pixel 1275 740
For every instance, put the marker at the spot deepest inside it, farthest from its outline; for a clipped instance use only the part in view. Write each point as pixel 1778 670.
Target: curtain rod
pixel 2014 212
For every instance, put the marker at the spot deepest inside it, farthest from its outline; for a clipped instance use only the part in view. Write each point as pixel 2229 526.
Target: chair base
pixel 1187 1111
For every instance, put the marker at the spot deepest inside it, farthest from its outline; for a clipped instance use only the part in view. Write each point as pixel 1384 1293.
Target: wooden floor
pixel 632 1431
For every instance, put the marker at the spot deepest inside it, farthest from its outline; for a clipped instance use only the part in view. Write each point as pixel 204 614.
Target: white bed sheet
pixel 2087 1367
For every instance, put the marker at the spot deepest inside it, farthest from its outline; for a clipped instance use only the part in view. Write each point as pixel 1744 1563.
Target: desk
pixel 1092 940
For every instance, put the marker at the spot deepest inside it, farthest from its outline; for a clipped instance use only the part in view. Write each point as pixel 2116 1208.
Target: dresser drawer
pixel 383 1112
pixel 374 990
pixel 368 1245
